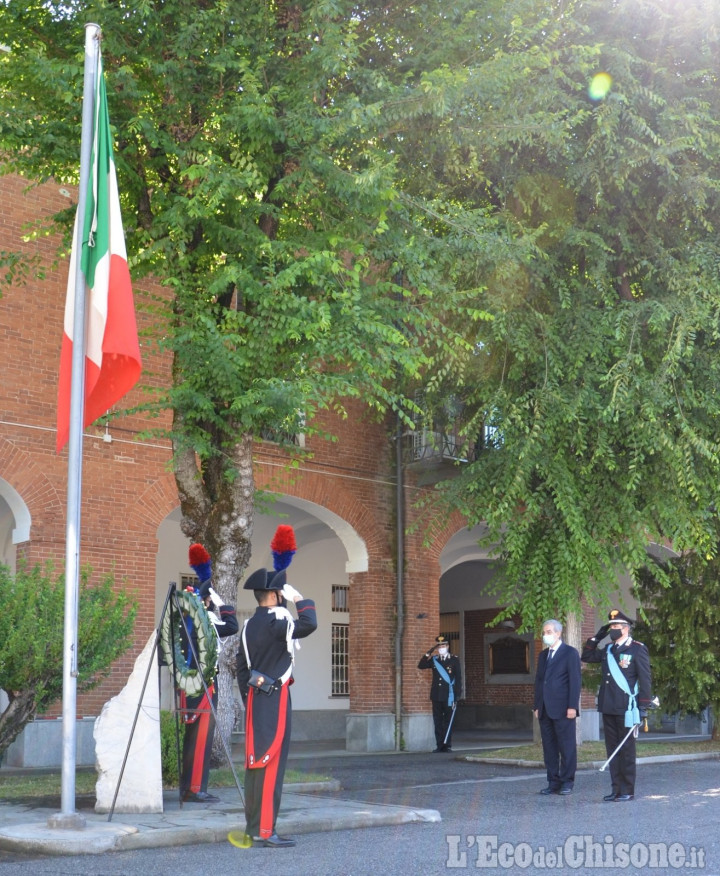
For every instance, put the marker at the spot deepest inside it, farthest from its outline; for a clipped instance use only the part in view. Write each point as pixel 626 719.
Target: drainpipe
pixel 399 580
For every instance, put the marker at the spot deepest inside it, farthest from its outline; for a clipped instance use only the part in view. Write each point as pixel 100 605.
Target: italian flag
pixel 112 351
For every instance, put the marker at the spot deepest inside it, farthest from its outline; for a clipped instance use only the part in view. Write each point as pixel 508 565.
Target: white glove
pixel 290 593
pixel 215 599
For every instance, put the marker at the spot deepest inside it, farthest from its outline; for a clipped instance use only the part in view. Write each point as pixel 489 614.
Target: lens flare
pixel 600 86
pixel 240 839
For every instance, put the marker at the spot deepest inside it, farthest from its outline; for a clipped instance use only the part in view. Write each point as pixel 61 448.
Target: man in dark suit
pixel 623 699
pixel 557 704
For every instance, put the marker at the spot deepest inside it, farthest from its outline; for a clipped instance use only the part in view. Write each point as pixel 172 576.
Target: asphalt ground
pixel 492 819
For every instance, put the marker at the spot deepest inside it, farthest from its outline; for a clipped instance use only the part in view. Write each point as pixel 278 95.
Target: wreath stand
pixel 172 614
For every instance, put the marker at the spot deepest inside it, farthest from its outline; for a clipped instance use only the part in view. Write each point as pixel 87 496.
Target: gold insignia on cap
pixel 614 613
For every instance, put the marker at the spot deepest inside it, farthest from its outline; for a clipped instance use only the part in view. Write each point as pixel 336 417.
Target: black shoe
pixel 446 748
pixel 278 842
pixel 565 791
pixel 199 797
pixel 623 798
pixel 438 750
pixel 549 790
pixel 611 797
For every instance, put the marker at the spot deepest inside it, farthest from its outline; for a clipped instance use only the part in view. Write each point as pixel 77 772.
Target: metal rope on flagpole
pixel 68 817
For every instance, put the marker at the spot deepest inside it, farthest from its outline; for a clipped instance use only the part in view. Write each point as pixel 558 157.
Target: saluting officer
pixel 268 640
pixel 445 690
pixel 623 699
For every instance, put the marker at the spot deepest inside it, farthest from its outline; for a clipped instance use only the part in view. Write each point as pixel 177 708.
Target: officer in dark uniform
pixel 623 699
pixel 198 715
pixel 264 673
pixel 445 690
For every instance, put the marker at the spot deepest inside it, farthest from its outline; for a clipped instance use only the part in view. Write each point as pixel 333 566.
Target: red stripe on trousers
pixel 200 742
pixel 267 806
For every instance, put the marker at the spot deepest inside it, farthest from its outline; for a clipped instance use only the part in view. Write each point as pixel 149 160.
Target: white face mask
pixel 548 639
pixel 443 651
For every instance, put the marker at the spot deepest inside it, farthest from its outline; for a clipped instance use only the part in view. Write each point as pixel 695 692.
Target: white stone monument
pixel 141 787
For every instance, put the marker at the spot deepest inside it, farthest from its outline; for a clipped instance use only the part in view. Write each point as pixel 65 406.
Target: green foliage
pixel 681 629
pixel 348 203
pixel 257 163
pixel 14 268
pixel 172 732
pixel 599 371
pixel 32 636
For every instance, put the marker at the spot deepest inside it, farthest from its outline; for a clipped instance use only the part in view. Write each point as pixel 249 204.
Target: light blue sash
pixel 632 716
pixel 442 672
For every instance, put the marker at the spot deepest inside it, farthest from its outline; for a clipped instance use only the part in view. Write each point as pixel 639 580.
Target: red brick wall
pixel 118 533
pixel 127 490
pixel 478 692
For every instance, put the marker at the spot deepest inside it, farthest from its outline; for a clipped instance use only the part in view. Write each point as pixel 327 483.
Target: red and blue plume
pixel 283 547
pixel 200 562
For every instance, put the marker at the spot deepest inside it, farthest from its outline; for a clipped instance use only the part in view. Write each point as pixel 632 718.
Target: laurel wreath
pixel 190 680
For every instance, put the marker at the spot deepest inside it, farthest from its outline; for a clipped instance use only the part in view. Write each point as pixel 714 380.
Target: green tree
pixel 32 636
pixel 258 149
pixel 681 629
pixel 593 397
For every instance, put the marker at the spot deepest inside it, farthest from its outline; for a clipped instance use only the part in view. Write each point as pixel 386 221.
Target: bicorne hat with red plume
pixel 283 549
pixel 200 563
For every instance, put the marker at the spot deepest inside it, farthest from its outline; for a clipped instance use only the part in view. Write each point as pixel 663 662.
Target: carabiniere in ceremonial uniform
pixel 623 699
pixel 445 690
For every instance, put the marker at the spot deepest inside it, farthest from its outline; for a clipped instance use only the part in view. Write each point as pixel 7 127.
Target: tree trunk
pixel 573 636
pixel 218 511
pixel 21 709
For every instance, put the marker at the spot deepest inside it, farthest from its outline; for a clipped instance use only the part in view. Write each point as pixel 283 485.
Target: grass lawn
pixel 594 751
pixel 49 784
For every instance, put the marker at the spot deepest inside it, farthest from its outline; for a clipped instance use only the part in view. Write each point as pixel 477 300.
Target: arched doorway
pixel 15 522
pixel 14 529
pixel 329 552
pixel 498 663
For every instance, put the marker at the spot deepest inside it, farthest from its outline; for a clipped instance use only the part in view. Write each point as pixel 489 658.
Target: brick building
pixel 342 503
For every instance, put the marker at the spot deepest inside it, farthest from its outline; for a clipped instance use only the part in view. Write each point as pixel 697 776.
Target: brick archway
pixel 34 501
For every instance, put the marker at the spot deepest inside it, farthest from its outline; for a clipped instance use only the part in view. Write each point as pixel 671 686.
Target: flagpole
pixel 68 817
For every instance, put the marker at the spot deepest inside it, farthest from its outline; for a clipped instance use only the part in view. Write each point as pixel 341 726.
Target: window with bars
pixel 450 628
pixel 340 661
pixel 340 597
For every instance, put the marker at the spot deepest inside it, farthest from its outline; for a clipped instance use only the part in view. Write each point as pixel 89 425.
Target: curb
pixel 593 764
pixel 179 827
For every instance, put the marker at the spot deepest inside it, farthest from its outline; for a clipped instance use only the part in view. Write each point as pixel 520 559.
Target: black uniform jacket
pixel 267 714
pixel 439 689
pixel 634 662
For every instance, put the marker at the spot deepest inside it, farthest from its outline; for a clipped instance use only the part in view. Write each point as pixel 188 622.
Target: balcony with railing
pixel 442 441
